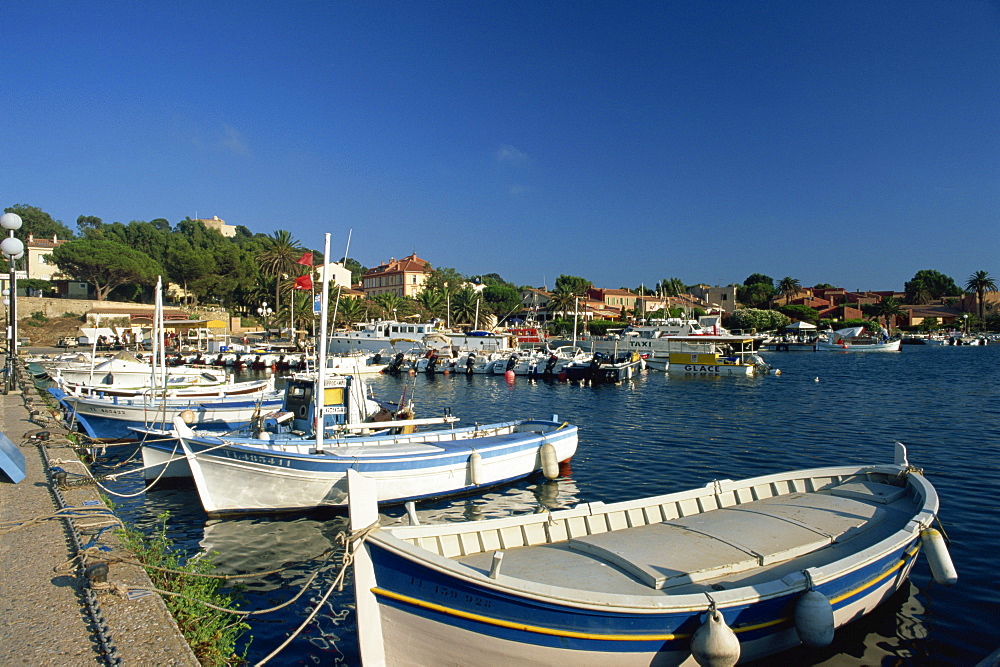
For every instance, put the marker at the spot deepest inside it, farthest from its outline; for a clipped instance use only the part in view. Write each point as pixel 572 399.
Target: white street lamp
pixel 265 314
pixel 12 249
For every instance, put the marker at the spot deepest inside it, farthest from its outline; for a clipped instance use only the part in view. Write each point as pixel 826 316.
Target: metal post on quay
pixel 13 249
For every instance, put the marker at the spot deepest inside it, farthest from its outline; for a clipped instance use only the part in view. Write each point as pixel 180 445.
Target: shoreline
pixel 48 613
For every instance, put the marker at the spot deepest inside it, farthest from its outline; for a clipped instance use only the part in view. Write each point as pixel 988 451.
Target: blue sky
pixel 853 143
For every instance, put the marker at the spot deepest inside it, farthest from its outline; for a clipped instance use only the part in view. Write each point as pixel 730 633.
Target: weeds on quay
pixel 212 634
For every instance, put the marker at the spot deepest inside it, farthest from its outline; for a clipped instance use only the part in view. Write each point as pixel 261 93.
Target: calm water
pixel 662 433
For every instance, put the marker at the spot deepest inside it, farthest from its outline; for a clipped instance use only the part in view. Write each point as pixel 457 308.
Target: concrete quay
pixel 49 615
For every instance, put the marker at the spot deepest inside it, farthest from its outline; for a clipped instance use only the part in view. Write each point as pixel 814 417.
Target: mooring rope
pixel 352 542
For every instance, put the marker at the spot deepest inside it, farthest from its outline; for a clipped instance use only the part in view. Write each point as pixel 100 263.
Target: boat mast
pixel 320 392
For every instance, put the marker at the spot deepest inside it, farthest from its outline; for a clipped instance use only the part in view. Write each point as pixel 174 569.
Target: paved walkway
pixel 44 614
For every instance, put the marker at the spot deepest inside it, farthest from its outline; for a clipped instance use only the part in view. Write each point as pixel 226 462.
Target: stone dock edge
pixel 49 614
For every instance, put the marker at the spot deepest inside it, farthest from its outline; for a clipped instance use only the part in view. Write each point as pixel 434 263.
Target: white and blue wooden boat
pixel 346 409
pixel 283 475
pixel 111 417
pixel 852 340
pixel 730 571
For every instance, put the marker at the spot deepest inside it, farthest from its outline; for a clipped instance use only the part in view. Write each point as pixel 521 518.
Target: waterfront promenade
pixel 48 615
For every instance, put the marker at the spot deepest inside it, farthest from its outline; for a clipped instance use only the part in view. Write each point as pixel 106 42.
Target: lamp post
pixel 965 324
pixel 12 249
pixel 265 313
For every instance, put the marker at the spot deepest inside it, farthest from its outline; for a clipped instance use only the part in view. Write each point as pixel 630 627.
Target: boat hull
pixel 472 625
pixel 244 479
pixel 825 346
pixel 630 583
pixel 114 418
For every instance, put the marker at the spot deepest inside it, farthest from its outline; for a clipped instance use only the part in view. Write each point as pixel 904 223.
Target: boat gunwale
pixel 394 539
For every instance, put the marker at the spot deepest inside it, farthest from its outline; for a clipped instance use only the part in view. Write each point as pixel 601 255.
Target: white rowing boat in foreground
pixel 730 571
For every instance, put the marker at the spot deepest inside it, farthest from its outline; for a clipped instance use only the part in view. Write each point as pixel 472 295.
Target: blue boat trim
pixel 768 618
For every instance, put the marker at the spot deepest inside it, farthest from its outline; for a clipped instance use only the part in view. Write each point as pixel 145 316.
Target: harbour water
pixel 660 433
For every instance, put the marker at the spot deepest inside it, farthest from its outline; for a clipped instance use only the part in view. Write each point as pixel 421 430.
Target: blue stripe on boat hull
pixel 429 594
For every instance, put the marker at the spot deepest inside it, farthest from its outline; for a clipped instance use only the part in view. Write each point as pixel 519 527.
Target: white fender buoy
pixel 550 462
pixel 714 644
pixel 476 468
pixel 188 416
pixel 938 557
pixel 777 371
pixel 814 619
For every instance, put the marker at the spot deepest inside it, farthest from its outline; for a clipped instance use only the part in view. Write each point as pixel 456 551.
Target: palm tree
pixel 350 310
pixel 434 301
pixel 389 301
pixel 278 258
pixel 980 282
pixel 562 301
pixel 888 308
pixel 463 305
pixel 788 287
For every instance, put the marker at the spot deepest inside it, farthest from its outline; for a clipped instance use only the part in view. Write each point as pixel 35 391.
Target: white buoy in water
pixel 814 619
pixel 816 379
pixel 550 462
pixel 714 644
pixel 938 557
pixel 476 468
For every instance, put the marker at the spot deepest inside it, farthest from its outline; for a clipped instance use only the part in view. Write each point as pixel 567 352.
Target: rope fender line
pixel 352 542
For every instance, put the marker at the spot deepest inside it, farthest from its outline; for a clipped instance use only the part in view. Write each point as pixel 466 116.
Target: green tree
pixel 447 280
pixel 392 303
pixel 758 279
pixel 277 258
pixel 186 264
pixel 502 300
pixel 36 221
pixel 463 305
pixel 888 309
pixel 757 291
pixel 799 312
pixel 928 285
pixel 788 287
pixel 981 282
pixel 930 324
pixel 572 284
pixel 672 287
pixel 105 264
pixel 88 222
pixel 562 302
pixel 434 301
pixel 755 318
pixel 350 310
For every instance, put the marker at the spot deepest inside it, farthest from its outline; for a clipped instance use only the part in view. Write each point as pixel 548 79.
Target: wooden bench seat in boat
pixel 718 545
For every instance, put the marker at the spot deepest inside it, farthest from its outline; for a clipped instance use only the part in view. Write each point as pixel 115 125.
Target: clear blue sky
pixel 846 142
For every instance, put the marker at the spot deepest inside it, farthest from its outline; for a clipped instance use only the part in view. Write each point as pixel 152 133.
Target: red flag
pixel 306 259
pixel 304 282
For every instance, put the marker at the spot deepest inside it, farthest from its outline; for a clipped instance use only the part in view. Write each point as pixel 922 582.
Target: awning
pixel 800 326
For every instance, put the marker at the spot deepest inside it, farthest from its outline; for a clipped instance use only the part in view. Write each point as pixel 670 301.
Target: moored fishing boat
pixel 110 417
pixel 851 340
pixel 754 566
pixel 271 476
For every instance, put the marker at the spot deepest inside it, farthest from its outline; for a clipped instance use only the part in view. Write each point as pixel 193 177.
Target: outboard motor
pixel 470 362
pixel 551 364
pixel 511 362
